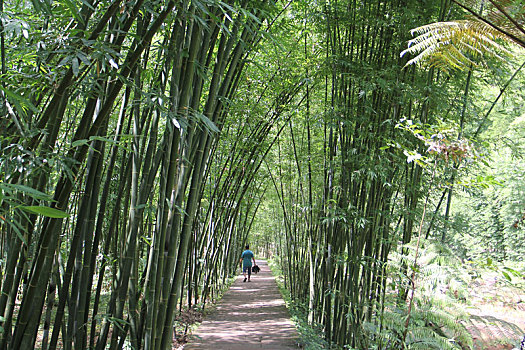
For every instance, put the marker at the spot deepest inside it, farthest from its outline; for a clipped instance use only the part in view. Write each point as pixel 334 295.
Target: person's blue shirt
pixel 247 256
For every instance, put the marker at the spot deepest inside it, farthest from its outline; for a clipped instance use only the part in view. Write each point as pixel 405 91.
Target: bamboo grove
pixel 144 142
pixel 347 196
pixel 114 108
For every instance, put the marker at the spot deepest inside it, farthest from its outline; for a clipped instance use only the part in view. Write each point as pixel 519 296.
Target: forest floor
pixel 253 316
pixel 497 313
pixel 250 315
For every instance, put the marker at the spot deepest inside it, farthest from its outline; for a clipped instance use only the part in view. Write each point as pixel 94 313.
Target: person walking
pixel 246 262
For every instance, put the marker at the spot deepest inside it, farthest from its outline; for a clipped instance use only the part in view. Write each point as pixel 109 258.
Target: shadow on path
pixel 251 315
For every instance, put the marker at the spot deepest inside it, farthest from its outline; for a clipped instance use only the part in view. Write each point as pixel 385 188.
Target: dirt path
pixel 249 316
pixel 497 313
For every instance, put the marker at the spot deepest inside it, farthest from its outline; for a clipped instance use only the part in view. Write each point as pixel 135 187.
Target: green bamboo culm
pixel 144 257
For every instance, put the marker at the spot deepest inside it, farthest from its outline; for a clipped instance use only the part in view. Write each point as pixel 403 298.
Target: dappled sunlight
pixel 250 316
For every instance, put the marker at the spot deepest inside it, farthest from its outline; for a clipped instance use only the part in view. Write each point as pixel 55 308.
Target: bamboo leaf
pixel 86 3
pixel 78 143
pixel 113 142
pixel 74 10
pixel 83 57
pixel 42 6
pixel 26 190
pixel 36 5
pixel 83 142
pixel 20 100
pixel 46 211
pixel 512 271
pixel 16 227
pixel 210 125
pixel 74 65
pixel 506 275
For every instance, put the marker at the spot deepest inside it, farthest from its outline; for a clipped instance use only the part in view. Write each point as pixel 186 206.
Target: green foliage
pixel 311 335
pixel 12 210
pixel 46 211
pixel 312 149
pixel 462 44
pixel 429 328
pixel 437 320
pixel 491 211
pixel 454 45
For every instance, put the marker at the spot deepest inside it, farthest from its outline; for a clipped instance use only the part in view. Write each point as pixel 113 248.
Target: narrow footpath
pixel 251 315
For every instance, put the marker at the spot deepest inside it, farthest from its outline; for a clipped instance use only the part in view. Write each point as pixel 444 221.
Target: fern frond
pixel 456 44
pixel 495 327
pixel 506 16
pixel 437 343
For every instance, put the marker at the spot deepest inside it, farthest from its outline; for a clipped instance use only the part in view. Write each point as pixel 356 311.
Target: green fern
pixel 437 320
pixel 446 325
pixel 462 44
pixel 429 328
pixel 495 328
pixel 455 44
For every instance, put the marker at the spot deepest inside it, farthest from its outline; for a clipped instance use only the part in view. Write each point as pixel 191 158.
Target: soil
pixel 251 315
pixel 497 314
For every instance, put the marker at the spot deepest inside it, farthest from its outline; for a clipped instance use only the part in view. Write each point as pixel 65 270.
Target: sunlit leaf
pixel 74 65
pixel 23 102
pixel 506 275
pixel 73 10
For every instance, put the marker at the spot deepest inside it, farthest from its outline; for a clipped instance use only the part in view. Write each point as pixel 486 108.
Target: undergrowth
pixel 311 337
pixel 436 321
pixel 441 317
pixel 188 319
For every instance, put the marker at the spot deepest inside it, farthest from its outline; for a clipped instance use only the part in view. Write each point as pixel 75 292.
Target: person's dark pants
pixel 247 269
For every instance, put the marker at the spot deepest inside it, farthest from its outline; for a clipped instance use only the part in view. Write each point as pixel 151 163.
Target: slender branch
pixel 2 38
pixel 499 29
pixel 496 5
pixel 414 266
pixel 502 90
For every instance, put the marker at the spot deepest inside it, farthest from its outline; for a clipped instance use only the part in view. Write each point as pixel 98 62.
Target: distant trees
pixel 492 34
pixel 349 180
